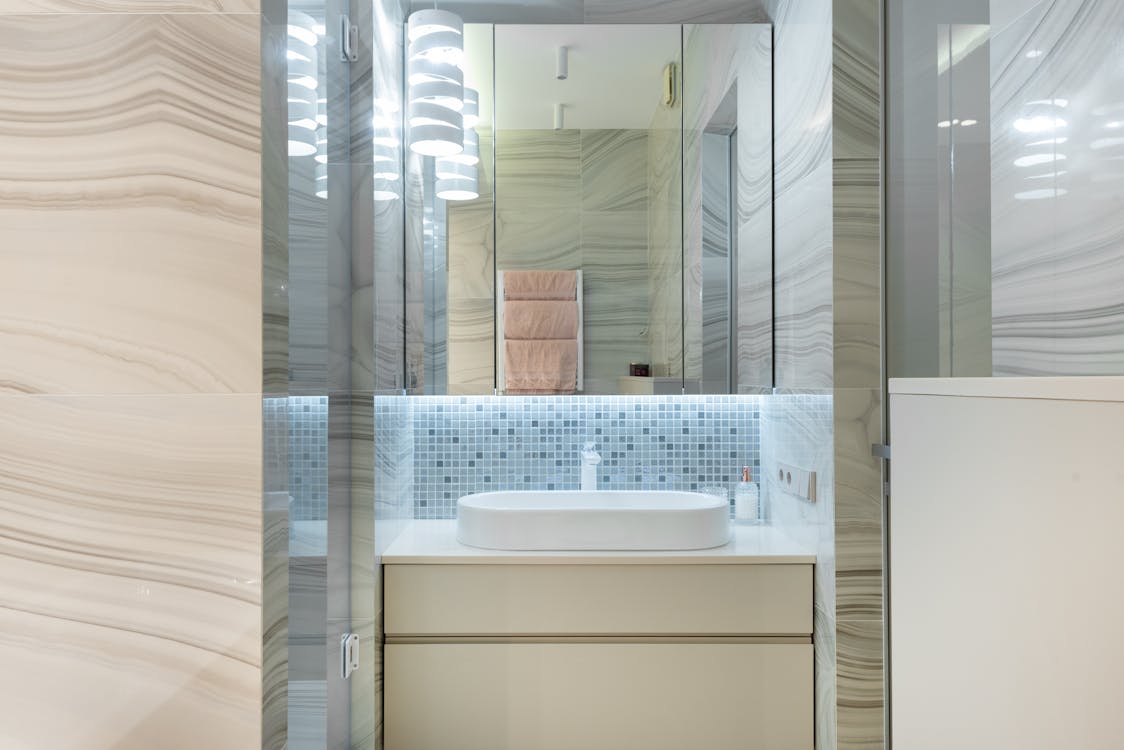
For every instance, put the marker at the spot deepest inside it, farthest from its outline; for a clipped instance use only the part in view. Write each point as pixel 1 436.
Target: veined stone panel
pixel 130 606
pixel 1057 269
pixel 130 204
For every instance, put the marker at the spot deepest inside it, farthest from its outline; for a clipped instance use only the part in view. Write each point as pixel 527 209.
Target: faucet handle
pixel 589 445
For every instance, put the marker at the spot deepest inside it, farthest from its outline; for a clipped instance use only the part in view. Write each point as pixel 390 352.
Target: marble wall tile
pixel 472 249
pixel 856 86
pixel 309 318
pixel 665 242
pixel 615 281
pixel 471 346
pixel 538 238
pixel 15 7
pixel 860 684
pixel 856 152
pixel 857 260
pixel 798 429
pixel 1056 268
pixel 614 170
pixel 734 61
pixel 803 197
pixel 538 169
pixel 275 573
pixel 803 283
pixel 858 504
pixel 368 220
pixel 668 11
pixel 148 278
pixel 133 544
pixel 275 210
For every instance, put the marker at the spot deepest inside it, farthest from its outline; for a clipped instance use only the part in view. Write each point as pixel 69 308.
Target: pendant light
pixel 458 189
pixel 471 111
pixel 435 62
pixel 301 79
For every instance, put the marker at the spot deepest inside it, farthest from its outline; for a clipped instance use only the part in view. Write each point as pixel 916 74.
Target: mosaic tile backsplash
pixel 308 457
pixel 466 444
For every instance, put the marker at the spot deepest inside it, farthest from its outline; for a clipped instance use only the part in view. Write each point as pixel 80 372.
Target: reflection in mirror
pixel 588 179
pixel 568 272
pixel 728 184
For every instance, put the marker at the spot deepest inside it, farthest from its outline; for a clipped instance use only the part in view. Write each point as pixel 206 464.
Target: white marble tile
pixel 147 275
pixel 538 169
pixel 133 566
pixel 798 430
pixel 803 283
pixel 538 238
pixel 614 167
pixel 615 264
pixel 1056 265
pixel 669 11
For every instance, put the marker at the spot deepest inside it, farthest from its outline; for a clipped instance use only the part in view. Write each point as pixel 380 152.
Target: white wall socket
pixel 799 482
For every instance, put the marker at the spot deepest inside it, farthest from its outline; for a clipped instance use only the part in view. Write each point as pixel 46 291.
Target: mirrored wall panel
pixel 566 265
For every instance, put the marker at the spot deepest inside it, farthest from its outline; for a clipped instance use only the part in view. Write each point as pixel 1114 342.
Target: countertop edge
pixel 426 542
pixel 1091 388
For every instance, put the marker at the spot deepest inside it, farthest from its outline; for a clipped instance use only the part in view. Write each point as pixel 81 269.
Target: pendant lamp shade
pixel 435 74
pixel 457 189
pixel 471 108
pixel 302 76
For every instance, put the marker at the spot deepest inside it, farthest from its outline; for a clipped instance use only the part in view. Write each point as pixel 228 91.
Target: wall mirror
pixel 616 235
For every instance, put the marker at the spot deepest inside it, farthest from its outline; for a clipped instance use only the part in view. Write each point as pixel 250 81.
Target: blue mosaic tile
pixel 465 444
pixel 308 457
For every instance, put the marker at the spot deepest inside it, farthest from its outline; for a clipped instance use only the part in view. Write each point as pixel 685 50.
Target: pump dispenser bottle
pixel 747 500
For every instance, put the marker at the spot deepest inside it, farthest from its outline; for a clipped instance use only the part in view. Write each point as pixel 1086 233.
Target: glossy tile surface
pixel 147 277
pixel 13 7
pixel 731 65
pixel 133 544
pixel 803 196
pixel 798 430
pixel 1056 266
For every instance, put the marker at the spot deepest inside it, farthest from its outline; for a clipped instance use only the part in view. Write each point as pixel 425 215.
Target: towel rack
pixel 501 380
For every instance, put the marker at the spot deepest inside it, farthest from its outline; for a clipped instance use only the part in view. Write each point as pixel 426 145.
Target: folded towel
pixel 532 319
pixel 540 284
pixel 541 366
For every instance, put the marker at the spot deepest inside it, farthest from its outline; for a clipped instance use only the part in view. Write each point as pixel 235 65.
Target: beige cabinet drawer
pixel 617 600
pixel 633 696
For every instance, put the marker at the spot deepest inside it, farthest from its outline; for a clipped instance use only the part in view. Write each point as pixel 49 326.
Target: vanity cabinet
pixel 598 655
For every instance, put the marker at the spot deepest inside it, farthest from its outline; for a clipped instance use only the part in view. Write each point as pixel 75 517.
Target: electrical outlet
pixel 799 482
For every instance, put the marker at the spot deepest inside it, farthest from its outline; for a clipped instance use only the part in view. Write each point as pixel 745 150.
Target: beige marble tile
pixel 472 359
pixel 857 268
pixel 132 552
pixel 130 220
pixel 860 685
pixel 12 7
pixel 858 504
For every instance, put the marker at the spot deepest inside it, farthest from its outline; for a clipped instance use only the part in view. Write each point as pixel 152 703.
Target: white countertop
pixel 435 543
pixel 1094 388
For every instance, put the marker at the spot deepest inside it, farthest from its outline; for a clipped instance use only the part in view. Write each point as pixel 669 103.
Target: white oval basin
pixel 593 520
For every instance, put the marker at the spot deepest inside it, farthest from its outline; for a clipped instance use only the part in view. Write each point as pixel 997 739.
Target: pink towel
pixel 540 284
pixel 532 319
pixel 549 366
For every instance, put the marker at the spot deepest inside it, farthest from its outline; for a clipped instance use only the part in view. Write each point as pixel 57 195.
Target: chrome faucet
pixel 590 460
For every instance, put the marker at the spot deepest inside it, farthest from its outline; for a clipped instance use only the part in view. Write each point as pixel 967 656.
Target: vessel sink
pixel 593 520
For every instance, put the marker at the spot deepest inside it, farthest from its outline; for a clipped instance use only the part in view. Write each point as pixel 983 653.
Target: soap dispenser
pixel 747 499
